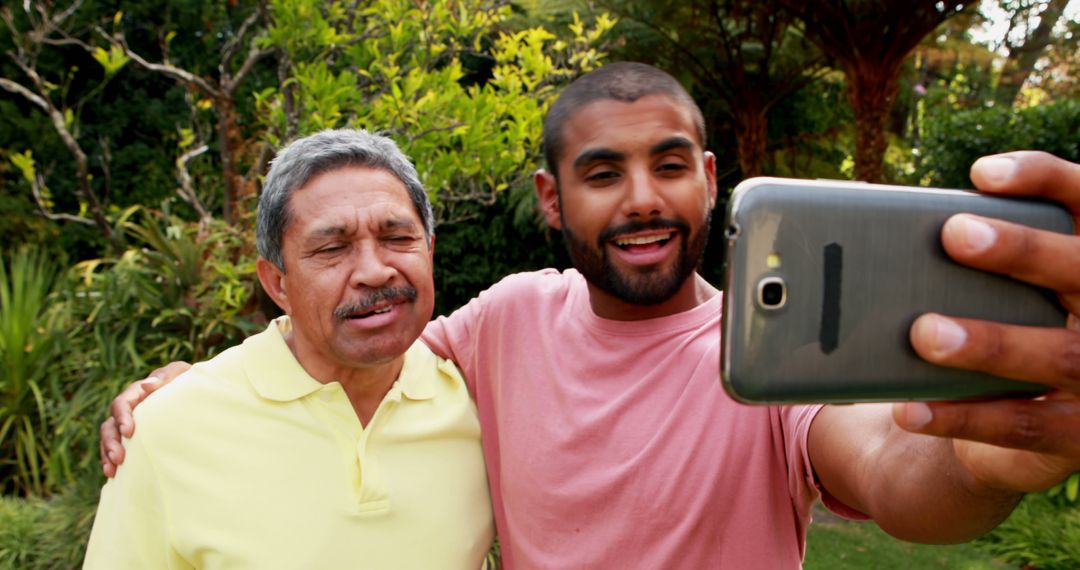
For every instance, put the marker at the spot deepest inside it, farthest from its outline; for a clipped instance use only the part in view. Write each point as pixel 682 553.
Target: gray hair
pixel 306 158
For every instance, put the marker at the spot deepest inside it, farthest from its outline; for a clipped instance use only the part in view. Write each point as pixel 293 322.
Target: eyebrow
pixel 673 143
pixel 602 154
pixel 387 225
pixel 597 155
pixel 392 224
pixel 327 231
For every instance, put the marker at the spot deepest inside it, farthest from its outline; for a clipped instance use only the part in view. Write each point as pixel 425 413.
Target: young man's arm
pixel 120 422
pixel 913 486
pixel 448 337
pixel 959 468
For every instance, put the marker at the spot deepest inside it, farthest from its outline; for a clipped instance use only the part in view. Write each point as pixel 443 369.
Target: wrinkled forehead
pixel 356 198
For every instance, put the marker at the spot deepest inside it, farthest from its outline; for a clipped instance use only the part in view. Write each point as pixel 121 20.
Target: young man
pixel 333 439
pixel 609 441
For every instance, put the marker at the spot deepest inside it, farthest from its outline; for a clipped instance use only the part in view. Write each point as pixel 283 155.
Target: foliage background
pixel 143 253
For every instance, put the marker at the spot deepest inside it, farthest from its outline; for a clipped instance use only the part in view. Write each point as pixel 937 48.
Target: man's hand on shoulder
pixel 120 422
pixel 1015 445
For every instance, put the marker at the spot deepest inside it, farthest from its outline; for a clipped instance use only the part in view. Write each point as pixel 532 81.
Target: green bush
pixel 20 526
pixel 48 534
pixel 182 291
pixel 1043 532
pixel 29 333
pixel 954 138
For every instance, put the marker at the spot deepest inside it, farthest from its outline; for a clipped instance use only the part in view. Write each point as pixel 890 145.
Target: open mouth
pixel 653 240
pixel 370 313
pixel 378 303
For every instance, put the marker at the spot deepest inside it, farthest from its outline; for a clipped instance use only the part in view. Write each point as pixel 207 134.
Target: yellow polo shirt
pixel 248 462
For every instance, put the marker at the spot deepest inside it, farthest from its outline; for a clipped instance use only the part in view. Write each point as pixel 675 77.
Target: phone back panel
pixel 860 263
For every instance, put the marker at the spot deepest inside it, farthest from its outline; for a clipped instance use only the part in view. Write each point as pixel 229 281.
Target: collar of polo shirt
pixel 280 378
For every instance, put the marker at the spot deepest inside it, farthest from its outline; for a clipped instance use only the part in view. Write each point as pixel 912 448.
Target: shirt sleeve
pixel 131 526
pixel 454 338
pixel 802 481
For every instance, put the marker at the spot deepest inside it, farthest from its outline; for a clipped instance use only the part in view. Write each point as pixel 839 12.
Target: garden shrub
pixel 48 534
pixel 30 331
pixel 1043 532
pixel 20 527
pixel 954 139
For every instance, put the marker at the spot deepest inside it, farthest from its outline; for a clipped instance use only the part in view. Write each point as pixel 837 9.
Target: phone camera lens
pixel 772 294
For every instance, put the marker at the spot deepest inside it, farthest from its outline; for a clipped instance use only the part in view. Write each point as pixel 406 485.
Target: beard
pixel 645 288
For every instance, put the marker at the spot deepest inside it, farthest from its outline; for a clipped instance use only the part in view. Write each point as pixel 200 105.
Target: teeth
pixel 375 312
pixel 642 239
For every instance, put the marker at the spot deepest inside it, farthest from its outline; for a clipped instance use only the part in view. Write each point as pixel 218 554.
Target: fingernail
pixel 996 168
pixel 917 415
pixel 976 234
pixel 946 336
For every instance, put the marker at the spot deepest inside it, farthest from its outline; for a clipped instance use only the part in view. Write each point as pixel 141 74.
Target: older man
pixel 333 439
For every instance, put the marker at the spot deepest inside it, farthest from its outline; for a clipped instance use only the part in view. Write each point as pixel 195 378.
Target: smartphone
pixel 823 280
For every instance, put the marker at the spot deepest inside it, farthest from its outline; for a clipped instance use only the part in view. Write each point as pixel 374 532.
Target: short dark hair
pixel 622 81
pixel 306 158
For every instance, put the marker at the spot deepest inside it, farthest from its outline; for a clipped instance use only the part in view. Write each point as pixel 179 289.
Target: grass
pixel 837 544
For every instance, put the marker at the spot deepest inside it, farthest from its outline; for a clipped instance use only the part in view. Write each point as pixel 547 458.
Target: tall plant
pixel 29 332
pixel 452 82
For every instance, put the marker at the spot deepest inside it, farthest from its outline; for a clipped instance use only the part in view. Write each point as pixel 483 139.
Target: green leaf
pixel 24 161
pixel 187 137
pixel 113 60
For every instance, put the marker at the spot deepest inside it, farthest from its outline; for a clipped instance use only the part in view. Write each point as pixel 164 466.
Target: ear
pixel 547 191
pixel 710 177
pixel 273 282
pixel 431 250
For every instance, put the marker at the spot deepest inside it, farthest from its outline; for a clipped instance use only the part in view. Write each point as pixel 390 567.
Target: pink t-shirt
pixel 611 444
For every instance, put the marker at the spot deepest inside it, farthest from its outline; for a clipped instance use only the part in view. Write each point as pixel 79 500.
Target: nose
pixel 369 268
pixel 642 199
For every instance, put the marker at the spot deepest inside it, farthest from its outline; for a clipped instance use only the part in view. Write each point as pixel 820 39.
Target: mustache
pixel 391 294
pixel 637 226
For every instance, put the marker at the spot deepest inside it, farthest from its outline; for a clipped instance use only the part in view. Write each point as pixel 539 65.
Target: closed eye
pixel 672 167
pixel 403 242
pixel 603 176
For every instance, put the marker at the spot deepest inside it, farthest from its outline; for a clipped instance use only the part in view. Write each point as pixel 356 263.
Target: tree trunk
pixel 871 40
pixel 872 91
pixel 751 134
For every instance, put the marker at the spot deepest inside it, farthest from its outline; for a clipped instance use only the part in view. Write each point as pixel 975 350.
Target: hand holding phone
pixel 824 279
pixel 1020 444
